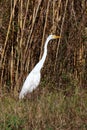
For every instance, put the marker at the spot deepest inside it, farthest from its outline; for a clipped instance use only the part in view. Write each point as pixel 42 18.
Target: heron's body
pixel 31 82
pixel 33 79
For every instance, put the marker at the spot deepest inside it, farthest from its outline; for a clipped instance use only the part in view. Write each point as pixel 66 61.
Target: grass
pixel 46 111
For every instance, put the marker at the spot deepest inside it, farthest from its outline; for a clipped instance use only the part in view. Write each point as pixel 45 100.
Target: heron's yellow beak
pixel 54 36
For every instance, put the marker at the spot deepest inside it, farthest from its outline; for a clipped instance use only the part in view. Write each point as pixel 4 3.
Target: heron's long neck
pixel 41 62
pixel 44 54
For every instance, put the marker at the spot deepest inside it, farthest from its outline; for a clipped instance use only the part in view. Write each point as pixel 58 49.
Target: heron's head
pixel 53 37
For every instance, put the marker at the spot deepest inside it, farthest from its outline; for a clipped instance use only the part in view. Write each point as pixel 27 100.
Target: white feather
pixel 33 79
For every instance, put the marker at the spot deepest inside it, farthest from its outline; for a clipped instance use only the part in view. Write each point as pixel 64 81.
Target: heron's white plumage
pixel 33 79
pixel 31 82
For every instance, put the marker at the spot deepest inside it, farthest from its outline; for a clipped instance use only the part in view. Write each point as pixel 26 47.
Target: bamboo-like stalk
pixel 18 47
pixel 33 23
pixel 63 19
pixel 74 14
pixel 53 19
pixel 12 68
pixel 75 64
pixel 23 25
pixel 56 17
pixel 21 31
pixel 12 60
pixel 9 26
pixel 81 63
pixel 5 44
pixel 29 40
pixel 45 25
pixel 21 41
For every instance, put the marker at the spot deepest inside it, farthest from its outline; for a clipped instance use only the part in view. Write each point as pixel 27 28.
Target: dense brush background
pixel 60 102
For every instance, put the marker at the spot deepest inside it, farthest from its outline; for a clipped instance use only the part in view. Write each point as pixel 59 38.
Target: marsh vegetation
pixel 60 102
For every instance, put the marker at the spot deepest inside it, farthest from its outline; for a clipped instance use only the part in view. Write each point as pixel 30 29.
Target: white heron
pixel 33 79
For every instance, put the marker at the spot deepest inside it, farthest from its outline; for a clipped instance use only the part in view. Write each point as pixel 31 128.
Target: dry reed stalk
pixel 33 23
pixel 63 19
pixel 29 40
pixel 75 64
pixel 45 25
pixel 56 17
pixel 24 25
pixel 12 55
pixel 22 30
pixel 80 63
pixel 18 47
pixel 9 26
pixel 5 44
pixel 12 68
pixel 21 41
pixel 21 22
pixel 53 14
pixel 74 14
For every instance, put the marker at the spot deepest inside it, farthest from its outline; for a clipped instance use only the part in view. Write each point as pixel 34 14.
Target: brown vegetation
pixel 48 111
pixel 24 27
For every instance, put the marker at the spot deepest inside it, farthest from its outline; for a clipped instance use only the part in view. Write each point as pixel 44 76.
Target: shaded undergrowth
pixel 49 111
